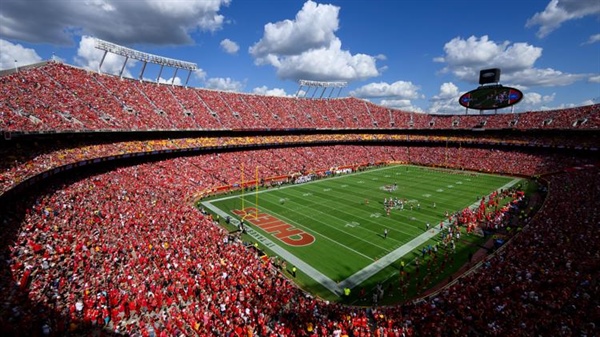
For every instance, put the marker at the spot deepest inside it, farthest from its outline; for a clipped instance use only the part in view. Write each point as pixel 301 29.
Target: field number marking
pixel 352 224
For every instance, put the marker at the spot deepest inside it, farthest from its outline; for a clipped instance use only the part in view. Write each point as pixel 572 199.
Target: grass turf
pixel 346 215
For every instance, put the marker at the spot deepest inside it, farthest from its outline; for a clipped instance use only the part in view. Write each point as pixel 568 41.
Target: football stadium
pixel 136 208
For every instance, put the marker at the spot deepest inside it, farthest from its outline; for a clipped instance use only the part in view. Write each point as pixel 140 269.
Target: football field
pixel 337 231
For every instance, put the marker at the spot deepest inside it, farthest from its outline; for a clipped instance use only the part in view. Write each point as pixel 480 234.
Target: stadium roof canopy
pixel 146 58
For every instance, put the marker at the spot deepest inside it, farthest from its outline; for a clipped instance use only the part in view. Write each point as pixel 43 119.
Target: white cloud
pixel 200 74
pixel 532 98
pixel 224 84
pixel 264 90
pixel 542 77
pixel 123 22
pixel 588 102
pixel 11 52
pixel 89 57
pixel 307 48
pixel 177 80
pixel 402 104
pixel 460 52
pixel 535 99
pixel 327 64
pixel 446 101
pixel 465 59
pixel 313 27
pixel 398 95
pixel 594 79
pixel 448 90
pixel 162 80
pixel 446 107
pixel 398 89
pixel 593 39
pixel 58 58
pixel 229 46
pixel 559 11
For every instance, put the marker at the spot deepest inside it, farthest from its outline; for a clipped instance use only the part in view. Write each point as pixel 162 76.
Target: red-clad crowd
pixel 25 160
pixel 55 96
pixel 126 253
pixel 544 283
pixel 120 253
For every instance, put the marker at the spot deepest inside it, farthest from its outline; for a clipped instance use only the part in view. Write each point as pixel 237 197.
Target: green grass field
pixel 332 229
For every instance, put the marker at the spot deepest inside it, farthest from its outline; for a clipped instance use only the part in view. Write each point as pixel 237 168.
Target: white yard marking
pixel 372 269
pixel 361 275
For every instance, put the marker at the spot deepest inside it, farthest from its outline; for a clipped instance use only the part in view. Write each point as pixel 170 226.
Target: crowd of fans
pixel 56 96
pixel 119 252
pixel 27 160
pixel 125 252
pixel 544 283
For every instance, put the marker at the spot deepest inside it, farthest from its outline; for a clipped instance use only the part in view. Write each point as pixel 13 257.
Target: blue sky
pixel 416 55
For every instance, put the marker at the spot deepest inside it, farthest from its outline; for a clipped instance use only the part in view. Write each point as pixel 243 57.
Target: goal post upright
pixel 256 194
pixel 242 187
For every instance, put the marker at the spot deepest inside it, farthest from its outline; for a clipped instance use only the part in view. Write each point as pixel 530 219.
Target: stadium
pixel 144 209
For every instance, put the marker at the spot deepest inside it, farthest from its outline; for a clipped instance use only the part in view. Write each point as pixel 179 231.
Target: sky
pixel 413 55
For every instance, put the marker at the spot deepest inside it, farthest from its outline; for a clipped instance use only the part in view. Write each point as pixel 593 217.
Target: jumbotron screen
pixel 491 97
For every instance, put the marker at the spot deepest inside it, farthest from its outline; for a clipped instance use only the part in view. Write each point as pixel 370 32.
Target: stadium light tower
pixel 320 84
pixel 146 58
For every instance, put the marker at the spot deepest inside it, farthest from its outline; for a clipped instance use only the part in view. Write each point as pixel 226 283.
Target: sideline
pixel 358 277
pixel 283 253
pixel 388 259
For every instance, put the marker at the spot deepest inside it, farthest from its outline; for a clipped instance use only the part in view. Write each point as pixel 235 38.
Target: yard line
pixel 306 268
pixel 313 182
pixel 312 230
pixel 372 222
pixel 367 271
pixel 405 216
pixel 372 269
